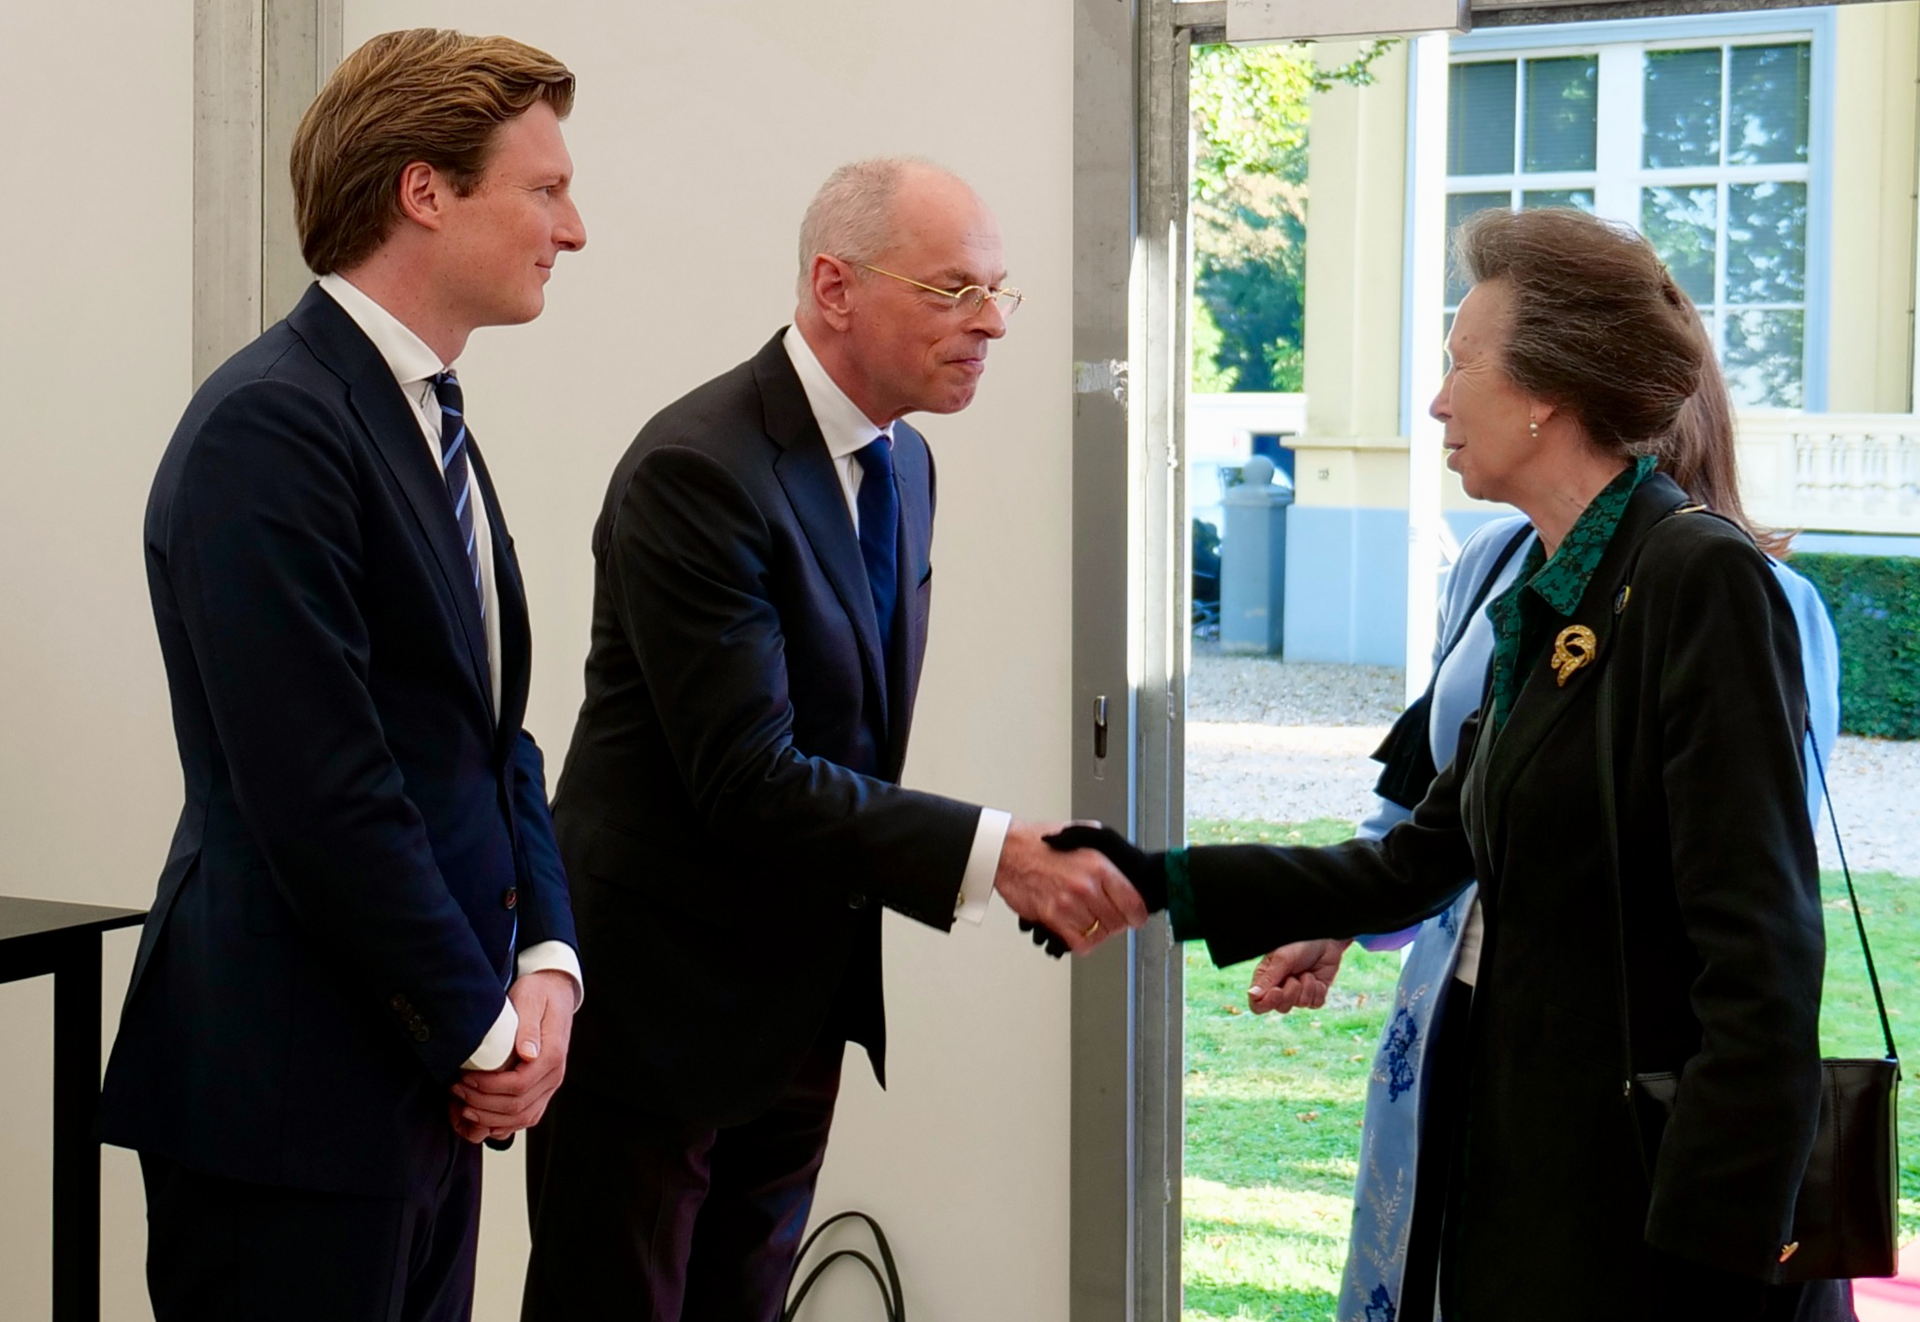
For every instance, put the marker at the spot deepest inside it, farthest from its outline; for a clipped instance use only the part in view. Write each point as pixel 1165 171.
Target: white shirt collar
pixel 847 430
pixel 407 355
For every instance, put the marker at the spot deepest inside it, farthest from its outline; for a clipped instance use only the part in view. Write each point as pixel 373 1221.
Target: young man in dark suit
pixel 760 614
pixel 360 961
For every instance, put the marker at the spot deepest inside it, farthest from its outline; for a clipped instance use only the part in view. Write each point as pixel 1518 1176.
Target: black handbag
pixel 1844 1223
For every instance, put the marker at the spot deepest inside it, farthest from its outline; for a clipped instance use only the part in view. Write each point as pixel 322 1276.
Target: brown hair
pixel 418 95
pixel 1700 456
pixel 1600 328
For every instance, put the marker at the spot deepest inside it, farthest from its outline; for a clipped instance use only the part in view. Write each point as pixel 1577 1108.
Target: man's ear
pixel 831 283
pixel 424 195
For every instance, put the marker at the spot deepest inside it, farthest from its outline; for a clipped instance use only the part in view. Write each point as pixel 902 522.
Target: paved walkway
pixel 1288 742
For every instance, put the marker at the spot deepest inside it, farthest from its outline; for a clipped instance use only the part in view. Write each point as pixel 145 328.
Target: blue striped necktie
pixel 454 466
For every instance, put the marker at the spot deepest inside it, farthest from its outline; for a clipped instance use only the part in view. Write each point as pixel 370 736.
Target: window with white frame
pixel 1702 144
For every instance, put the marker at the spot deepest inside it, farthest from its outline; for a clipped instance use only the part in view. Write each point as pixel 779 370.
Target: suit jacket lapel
pixel 806 473
pixel 395 430
pixel 1543 700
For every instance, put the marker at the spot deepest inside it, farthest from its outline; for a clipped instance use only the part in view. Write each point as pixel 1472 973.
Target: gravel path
pixel 1239 689
pixel 1287 742
pixel 1876 794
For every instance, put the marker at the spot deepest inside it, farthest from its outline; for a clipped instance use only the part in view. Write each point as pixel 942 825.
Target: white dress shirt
pixel 847 432
pixel 414 366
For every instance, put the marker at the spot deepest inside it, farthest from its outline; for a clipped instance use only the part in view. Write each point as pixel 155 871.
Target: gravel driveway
pixel 1289 741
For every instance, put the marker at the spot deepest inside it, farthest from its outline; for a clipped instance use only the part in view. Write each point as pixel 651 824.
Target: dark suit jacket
pixel 330 938
pixel 1722 930
pixel 728 811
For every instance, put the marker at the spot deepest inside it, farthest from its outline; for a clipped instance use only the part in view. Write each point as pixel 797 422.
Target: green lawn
pixel 1274 1102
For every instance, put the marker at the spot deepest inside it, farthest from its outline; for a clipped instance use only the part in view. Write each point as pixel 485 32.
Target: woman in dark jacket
pixel 1572 358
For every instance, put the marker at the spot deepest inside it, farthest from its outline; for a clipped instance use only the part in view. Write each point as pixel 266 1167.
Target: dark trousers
pixel 650 1220
pixel 221 1250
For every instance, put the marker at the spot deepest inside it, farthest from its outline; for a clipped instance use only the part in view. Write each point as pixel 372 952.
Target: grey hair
pixel 851 217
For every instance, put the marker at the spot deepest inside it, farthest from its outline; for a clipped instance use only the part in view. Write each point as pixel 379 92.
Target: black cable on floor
pixel 891 1297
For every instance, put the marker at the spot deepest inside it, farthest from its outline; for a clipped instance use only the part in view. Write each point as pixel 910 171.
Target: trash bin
pixel 1253 559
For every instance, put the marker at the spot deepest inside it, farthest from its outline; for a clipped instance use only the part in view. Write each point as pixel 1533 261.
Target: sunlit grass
pixel 1273 1103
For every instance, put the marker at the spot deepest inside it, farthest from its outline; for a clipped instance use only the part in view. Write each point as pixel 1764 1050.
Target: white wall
pixel 699 134
pixel 96 220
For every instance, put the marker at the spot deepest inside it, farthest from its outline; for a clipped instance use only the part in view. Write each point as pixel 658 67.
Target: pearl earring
pixel 1533 428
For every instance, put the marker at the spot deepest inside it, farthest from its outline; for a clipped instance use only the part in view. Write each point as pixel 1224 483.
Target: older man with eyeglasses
pixel 760 617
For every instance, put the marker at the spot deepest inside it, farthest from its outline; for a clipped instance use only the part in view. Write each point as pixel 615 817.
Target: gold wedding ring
pixel 1092 928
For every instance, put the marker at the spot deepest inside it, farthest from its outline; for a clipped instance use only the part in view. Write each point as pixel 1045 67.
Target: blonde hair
pixel 419 95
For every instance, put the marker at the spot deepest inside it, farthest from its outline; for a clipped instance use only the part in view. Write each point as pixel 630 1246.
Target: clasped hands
pixel 1075 885
pixel 1296 976
pixel 499 1103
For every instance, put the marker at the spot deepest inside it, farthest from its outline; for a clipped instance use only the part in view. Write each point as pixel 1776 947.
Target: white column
pixel 1425 293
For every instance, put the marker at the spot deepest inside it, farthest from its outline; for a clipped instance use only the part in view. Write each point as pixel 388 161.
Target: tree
pixel 1209 377
pixel 1249 112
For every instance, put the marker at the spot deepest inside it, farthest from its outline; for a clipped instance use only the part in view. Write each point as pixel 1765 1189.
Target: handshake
pixel 1074 886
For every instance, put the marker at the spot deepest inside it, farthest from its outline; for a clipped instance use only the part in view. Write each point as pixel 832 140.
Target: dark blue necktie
pixel 879 505
pixel 454 466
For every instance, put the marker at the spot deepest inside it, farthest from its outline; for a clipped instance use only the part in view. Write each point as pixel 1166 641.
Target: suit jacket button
pixel 855 900
pixel 510 898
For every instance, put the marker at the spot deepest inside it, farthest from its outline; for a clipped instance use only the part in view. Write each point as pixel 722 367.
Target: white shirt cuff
pixel 983 861
pixel 496 1048
pixel 558 955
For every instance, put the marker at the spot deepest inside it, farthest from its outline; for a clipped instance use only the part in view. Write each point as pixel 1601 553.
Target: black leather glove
pixel 1045 937
pixel 1147 872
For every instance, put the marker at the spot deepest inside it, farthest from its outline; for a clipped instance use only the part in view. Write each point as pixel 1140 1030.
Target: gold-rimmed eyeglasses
pixel 968 298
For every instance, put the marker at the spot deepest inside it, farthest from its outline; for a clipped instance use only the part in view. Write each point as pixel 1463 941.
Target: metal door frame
pixel 1128 655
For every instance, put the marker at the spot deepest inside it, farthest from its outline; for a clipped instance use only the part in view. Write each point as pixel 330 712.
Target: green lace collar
pixel 1558 584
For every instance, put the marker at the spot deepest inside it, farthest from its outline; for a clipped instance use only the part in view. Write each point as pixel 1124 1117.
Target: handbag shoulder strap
pixel 1610 817
pixel 1853 900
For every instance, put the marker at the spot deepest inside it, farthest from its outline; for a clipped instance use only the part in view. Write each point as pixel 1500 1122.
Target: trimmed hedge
pixel 1875 604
